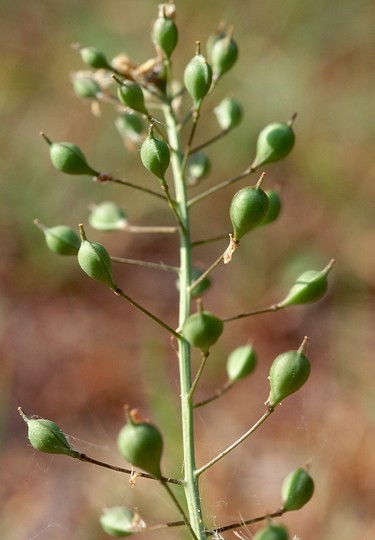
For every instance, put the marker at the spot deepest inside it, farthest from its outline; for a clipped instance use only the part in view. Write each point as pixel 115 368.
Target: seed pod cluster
pixel 248 207
pixel 141 444
pixel 297 489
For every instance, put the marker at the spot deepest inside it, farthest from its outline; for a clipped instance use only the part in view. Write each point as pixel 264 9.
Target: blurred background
pixel 74 353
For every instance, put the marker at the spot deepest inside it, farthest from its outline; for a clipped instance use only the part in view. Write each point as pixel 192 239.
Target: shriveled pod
pixel 95 261
pixel 274 207
pixel 68 158
pixel 107 216
pixel 241 362
pixel 131 95
pixel 46 436
pixel 297 489
pixel 202 329
pixel 60 239
pixel 141 444
pixel 94 58
pixel 309 287
pixel 164 32
pixel 272 531
pixel 275 141
pixel 288 373
pixel 229 113
pixel 155 155
pixel 198 78
pixel 247 209
pixel 121 521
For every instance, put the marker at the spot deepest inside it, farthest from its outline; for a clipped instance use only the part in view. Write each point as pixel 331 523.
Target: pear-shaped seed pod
pixel 247 209
pixel 223 55
pixel 289 371
pixel 275 141
pixel 85 87
pixel 120 521
pixel 155 155
pixel 165 34
pixel 241 362
pixel 198 166
pixel 202 330
pixel 62 240
pixel 272 531
pixel 68 158
pixel 274 207
pixel 229 113
pixel 141 444
pixel 198 78
pixel 94 58
pixel 46 436
pixel 107 216
pixel 130 126
pixel 95 261
pixel 131 95
pixel 309 287
pixel 297 490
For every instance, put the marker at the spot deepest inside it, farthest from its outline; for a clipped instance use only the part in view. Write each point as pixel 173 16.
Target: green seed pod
pixel 85 87
pixel 272 531
pixel 229 113
pixel 107 216
pixel 60 239
pixel 289 371
pixel 241 362
pixel 131 95
pixel 130 126
pixel 165 33
pixel 120 521
pixel 198 166
pixel 95 261
pixel 199 289
pixel 274 207
pixel 248 207
pixel 275 141
pixel 141 444
pixel 94 58
pixel 46 436
pixel 297 490
pixel 198 78
pixel 155 155
pixel 68 158
pixel 309 287
pixel 223 55
pixel 202 330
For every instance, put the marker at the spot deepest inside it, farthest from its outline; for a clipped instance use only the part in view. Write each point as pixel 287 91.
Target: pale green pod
pixel 198 167
pixel 202 330
pixel 229 113
pixel 95 261
pixel 165 34
pixel 274 207
pixel 241 362
pixel 309 287
pixel 85 87
pixel 94 58
pixel 297 489
pixel 107 216
pixel 198 79
pixel 155 155
pixel 68 158
pixel 248 207
pixel 60 239
pixel 272 531
pixel 224 54
pixel 275 141
pixel 131 95
pixel 120 521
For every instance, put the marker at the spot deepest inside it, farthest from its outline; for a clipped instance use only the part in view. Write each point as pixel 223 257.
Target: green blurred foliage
pixel 70 352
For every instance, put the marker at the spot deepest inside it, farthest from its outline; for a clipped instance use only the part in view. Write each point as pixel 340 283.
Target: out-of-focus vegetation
pixel 73 353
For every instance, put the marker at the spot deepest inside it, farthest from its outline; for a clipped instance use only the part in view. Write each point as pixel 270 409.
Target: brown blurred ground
pixel 72 352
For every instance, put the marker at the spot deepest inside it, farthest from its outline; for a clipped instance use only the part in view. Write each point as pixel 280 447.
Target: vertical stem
pixel 184 353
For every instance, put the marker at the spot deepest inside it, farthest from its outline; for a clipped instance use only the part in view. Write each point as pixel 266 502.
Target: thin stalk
pixel 145 264
pixel 198 375
pixel 208 271
pixel 239 524
pixel 220 392
pixel 213 139
pixel 87 459
pixel 179 508
pixel 217 187
pixel 184 352
pixel 209 240
pixel 108 178
pixel 120 292
pixel 269 309
pixel 236 443
pixel 147 229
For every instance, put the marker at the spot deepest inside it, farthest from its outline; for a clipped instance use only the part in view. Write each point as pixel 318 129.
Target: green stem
pixel 199 373
pixel 184 352
pixel 179 508
pixel 236 442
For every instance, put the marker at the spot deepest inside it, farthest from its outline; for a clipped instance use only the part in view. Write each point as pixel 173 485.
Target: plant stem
pixel 130 184
pixel 239 524
pixel 199 373
pixel 236 442
pixel 213 139
pixel 220 392
pixel 269 309
pixel 87 459
pixel 184 353
pixel 208 271
pixel 145 229
pixel 179 508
